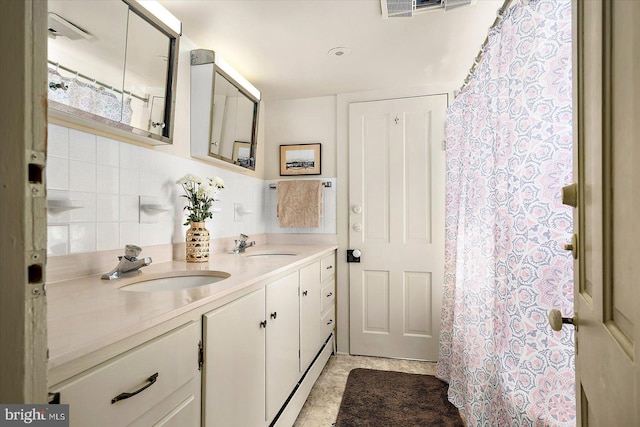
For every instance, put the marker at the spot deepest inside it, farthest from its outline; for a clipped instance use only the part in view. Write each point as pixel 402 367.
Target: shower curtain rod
pixel 57 65
pixel 476 61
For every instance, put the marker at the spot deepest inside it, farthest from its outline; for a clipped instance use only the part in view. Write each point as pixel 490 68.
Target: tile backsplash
pixel 327 219
pixel 102 180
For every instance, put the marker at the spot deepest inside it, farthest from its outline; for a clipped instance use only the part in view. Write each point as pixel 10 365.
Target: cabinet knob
pixel 274 314
pixel 304 293
pixel 263 324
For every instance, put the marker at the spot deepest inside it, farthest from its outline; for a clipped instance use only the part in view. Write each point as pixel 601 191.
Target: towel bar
pixel 326 184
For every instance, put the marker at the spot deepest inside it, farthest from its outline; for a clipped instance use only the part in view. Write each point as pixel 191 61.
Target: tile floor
pixel 321 407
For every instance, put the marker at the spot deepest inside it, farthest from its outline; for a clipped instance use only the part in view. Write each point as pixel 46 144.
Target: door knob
pixel 570 195
pixel 556 320
pixel 573 246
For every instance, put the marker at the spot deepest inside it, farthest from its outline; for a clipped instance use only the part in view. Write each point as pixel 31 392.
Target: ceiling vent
pixel 58 26
pixel 408 8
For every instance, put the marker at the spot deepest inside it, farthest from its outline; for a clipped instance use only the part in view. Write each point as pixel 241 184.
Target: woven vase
pixel 197 243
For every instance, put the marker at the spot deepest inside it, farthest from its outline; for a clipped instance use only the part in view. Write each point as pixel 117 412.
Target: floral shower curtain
pixel 509 152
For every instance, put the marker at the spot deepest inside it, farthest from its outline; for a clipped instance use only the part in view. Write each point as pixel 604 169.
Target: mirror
pixel 224 114
pixel 112 66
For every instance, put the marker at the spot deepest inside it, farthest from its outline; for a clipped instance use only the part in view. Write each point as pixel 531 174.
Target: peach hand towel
pixel 299 203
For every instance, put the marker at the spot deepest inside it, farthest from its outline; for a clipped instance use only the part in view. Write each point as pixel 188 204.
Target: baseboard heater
pixel 292 406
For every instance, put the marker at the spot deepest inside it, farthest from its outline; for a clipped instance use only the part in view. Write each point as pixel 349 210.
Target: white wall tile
pixel 150 184
pixel 107 208
pixel 108 151
pixel 82 176
pixel 87 213
pixel 57 240
pixel 129 209
pixel 129 233
pixel 107 179
pixel 156 234
pixel 108 236
pixel 57 141
pixel 57 171
pixel 82 238
pixel 55 216
pixel 82 146
pixel 108 176
pixel 130 156
pixel 129 182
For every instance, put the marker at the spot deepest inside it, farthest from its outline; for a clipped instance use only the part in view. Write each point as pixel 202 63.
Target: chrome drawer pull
pixel 122 396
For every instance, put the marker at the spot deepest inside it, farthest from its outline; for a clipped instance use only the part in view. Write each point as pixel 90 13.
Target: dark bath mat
pixel 394 399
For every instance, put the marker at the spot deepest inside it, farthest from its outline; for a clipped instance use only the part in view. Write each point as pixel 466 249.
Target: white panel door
pixel 607 135
pixel 396 219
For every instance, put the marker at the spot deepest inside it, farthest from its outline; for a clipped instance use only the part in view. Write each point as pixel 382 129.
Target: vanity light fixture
pixel 235 75
pixel 339 51
pixel 162 14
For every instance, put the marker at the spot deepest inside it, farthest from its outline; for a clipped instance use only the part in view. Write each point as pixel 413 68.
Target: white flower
pixel 189 178
pixel 205 190
pixel 216 181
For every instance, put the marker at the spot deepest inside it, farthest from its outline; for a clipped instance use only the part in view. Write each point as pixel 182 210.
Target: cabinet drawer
pixel 156 369
pixel 328 295
pixel 327 267
pixel 328 322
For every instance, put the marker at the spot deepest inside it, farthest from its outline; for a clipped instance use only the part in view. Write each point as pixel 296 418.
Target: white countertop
pixel 87 314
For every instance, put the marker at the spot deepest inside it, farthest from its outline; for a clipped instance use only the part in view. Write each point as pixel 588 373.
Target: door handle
pixel 556 320
pixel 573 246
pixel 570 195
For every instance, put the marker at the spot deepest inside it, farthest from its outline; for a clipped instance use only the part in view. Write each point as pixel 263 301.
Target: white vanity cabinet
pixel 328 295
pixel 156 383
pixel 310 326
pixel 234 363
pixel 259 350
pixel 282 342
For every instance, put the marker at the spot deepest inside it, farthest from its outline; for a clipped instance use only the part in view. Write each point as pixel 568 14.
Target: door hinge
pixel 444 145
pixel 200 355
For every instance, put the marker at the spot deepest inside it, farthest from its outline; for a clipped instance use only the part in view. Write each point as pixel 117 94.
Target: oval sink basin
pixel 270 254
pixel 175 280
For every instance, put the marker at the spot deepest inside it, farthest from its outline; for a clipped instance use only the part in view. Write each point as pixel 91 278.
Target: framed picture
pixel 300 159
pixel 242 153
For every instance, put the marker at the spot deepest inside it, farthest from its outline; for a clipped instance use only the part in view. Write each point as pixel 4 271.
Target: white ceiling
pixel 281 46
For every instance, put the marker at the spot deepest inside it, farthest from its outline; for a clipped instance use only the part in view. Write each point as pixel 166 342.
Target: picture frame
pixel 242 153
pixel 301 159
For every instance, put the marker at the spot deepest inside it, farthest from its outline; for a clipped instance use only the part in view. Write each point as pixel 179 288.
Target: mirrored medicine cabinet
pixel 112 66
pixel 224 111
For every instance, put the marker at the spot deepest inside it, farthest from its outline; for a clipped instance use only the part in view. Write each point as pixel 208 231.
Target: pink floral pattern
pixel 509 152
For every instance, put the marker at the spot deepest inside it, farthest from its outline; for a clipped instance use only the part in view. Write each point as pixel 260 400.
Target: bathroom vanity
pixel 242 351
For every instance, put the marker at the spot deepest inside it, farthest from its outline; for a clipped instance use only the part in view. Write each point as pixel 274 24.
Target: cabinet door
pixel 282 341
pixel 234 370
pixel 310 327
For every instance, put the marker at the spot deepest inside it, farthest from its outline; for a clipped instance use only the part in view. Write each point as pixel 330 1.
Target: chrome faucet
pixel 128 263
pixel 241 244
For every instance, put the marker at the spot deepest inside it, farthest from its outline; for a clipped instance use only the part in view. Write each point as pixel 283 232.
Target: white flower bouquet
pixel 200 194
